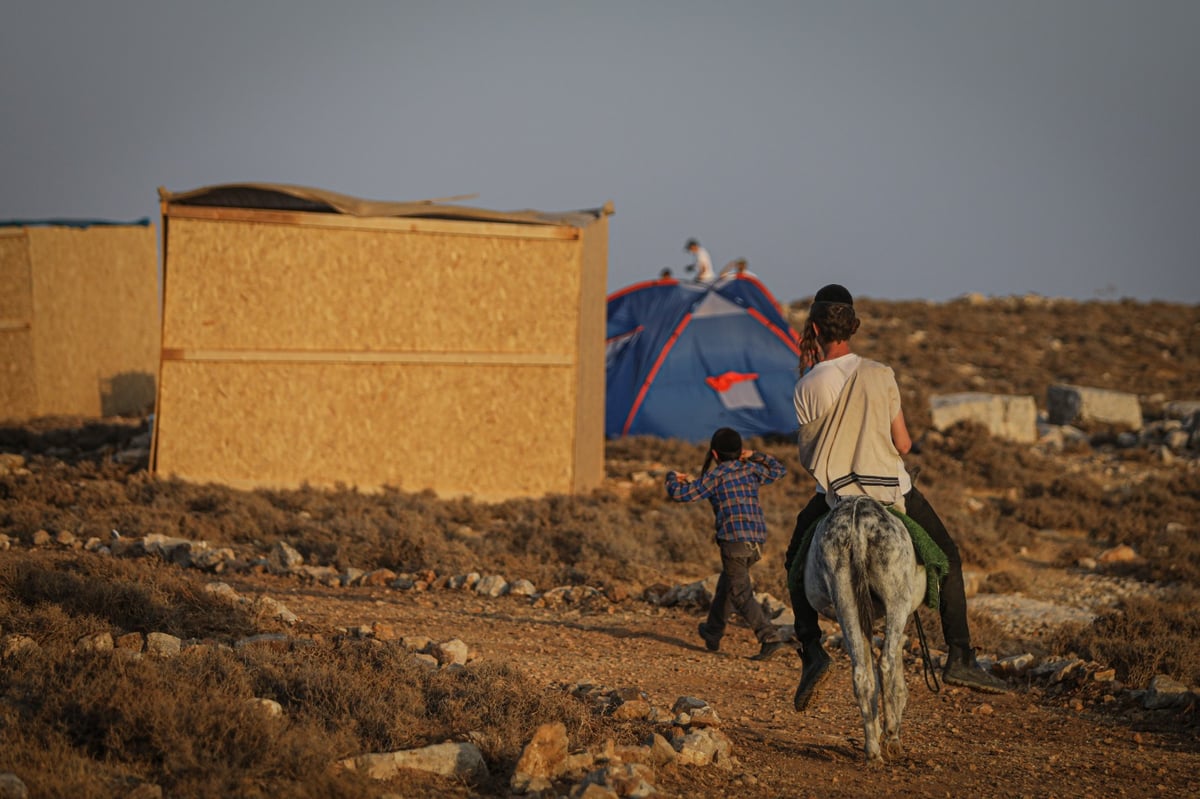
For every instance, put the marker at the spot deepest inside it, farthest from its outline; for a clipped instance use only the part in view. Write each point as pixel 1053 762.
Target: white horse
pixel 861 565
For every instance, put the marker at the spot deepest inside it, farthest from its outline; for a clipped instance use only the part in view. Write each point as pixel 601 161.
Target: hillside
pixel 1034 523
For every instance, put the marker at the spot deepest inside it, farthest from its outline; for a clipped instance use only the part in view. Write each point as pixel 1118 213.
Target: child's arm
pixel 769 468
pixel 681 487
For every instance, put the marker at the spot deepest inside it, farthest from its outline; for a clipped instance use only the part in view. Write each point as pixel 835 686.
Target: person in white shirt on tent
pixel 703 266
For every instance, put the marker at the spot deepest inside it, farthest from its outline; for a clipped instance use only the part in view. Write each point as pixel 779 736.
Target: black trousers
pixel 734 590
pixel 954 596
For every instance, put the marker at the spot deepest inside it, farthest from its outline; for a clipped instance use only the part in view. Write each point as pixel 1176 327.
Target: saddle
pixel 928 553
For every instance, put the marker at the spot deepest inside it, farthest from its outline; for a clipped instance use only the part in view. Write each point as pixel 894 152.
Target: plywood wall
pixel 95 316
pixel 590 387
pixel 492 431
pixel 18 390
pixel 78 320
pixel 419 354
pixel 276 286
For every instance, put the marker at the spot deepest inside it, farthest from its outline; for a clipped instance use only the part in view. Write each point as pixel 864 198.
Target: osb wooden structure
pixel 79 327
pixel 313 338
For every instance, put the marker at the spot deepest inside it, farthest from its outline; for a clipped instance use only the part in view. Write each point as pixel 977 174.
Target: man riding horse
pixel 852 437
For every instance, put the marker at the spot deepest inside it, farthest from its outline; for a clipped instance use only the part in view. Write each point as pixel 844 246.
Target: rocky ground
pixel 1067 727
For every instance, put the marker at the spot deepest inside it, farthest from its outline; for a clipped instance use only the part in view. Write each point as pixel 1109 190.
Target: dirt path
pixel 958 743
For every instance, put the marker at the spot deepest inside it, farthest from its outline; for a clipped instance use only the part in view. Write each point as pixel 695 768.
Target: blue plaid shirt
pixel 732 488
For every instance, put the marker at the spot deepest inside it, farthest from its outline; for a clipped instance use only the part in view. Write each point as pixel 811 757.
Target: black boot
pixel 711 642
pixel 963 670
pixel 816 669
pixel 769 650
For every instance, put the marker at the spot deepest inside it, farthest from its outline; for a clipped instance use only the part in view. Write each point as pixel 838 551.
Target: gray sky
pixel 913 149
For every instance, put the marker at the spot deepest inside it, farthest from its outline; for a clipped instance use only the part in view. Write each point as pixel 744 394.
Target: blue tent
pixel 685 358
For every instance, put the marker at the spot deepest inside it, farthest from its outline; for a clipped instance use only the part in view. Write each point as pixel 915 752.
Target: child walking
pixel 732 488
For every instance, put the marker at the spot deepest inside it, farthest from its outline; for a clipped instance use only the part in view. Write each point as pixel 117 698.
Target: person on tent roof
pixel 703 266
pixel 735 268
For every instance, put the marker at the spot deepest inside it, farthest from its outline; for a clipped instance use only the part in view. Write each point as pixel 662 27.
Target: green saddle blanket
pixel 928 553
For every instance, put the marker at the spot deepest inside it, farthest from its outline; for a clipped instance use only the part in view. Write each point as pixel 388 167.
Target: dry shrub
pixel 1004 582
pixel 1142 638
pixel 185 723
pixel 60 596
pixel 92 724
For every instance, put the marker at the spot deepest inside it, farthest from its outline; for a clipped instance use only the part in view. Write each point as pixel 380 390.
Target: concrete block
pixel 1067 404
pixel 1010 417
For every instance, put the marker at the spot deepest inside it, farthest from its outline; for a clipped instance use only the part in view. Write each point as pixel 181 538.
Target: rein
pixel 927 669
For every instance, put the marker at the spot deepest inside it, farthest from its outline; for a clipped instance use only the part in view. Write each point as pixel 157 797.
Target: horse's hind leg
pixel 895 691
pixel 866 682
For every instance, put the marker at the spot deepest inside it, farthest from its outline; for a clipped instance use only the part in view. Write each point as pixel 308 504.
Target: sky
pixel 908 149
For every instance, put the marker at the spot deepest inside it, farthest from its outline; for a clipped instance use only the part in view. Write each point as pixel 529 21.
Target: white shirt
pixel 704 267
pixel 817 391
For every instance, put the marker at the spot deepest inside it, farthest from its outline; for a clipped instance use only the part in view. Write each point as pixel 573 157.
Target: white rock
pixel 450 759
pixel 1066 404
pixel 162 645
pixel 1009 417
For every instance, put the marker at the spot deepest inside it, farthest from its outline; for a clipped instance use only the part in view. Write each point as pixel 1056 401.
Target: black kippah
pixel 834 293
pixel 727 443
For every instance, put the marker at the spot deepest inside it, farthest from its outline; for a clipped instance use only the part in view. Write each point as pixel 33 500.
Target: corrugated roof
pixel 285 197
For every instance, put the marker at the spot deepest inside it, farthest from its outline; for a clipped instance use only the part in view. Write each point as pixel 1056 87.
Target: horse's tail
pixel 860 578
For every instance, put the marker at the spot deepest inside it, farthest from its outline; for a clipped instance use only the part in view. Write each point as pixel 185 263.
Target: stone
pixel 632 780
pixel 697 749
pixel 1181 409
pixel 521 588
pixel 452 652
pixel 705 717
pixel 379 578
pixel 277 641
pixel 1009 417
pixel 12 787
pixel 224 591
pixel 283 558
pixel 133 642
pixel 1069 404
pixel 386 631
pixel 660 750
pixel 162 645
pixel 274 609
pixel 493 585
pixel 212 560
pixel 16 643
pixel 416 643
pixel 686 704
pixel 1118 554
pixel 450 759
pixel 95 642
pixel 1165 692
pixel 543 759
pixel 1013 665
pixel 270 707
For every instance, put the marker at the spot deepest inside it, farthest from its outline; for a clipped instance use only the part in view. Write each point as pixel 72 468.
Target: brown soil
pixel 956 742
pixel 1092 740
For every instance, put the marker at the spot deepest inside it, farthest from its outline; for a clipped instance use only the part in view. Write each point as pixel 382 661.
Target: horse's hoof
pixel 892 750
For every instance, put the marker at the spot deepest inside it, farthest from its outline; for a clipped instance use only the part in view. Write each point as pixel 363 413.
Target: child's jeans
pixel 736 592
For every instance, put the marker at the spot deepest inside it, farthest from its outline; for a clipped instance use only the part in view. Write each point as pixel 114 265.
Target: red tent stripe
pixel 784 337
pixel 662 356
pixel 664 281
